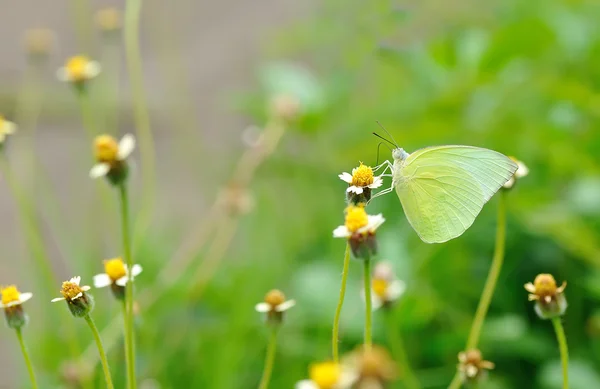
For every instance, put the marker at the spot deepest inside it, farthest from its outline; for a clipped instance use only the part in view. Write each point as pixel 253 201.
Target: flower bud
pixel 550 301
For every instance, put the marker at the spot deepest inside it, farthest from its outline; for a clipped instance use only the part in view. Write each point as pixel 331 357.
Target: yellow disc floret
pixel 106 148
pixel 109 19
pixel 362 176
pixel 545 285
pixel 380 287
pixel 70 290
pixel 274 298
pixel 325 374
pixel 10 294
pixel 115 268
pixel 356 218
pixel 77 67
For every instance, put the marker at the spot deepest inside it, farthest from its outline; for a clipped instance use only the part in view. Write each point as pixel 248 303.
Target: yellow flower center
pixel 545 285
pixel 380 287
pixel 356 218
pixel 325 374
pixel 106 148
pixel 10 294
pixel 70 290
pixel 115 268
pixel 362 176
pixel 274 298
pixel 77 66
pixel 109 19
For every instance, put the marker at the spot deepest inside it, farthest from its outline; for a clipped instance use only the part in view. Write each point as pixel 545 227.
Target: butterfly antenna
pixel 387 140
pixel 378 149
pixel 386 131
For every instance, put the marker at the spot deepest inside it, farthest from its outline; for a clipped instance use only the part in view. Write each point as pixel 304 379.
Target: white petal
pixel 376 302
pixel 306 384
pixel 85 288
pixel 341 232
pixel 471 371
pixel 102 280
pixel 347 379
pixel 395 289
pixel 377 182
pixel 355 189
pixel 346 177
pixel 9 127
pixel 509 184
pixel 135 270
pixel 63 74
pixel 92 69
pixel 57 299
pixel 126 146
pixel 24 297
pixel 374 221
pixel 75 280
pixel 285 306
pixel 78 295
pixel 122 281
pixel 522 170
pixel 262 307
pixel 99 170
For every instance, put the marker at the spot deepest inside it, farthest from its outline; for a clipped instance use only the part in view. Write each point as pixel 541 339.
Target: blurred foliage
pixel 519 77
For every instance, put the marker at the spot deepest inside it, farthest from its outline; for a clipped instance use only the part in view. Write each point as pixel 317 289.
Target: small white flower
pixel 362 177
pixel 71 290
pixel 328 375
pixel 110 153
pixel 6 128
pixel 12 297
pixel 346 231
pixel 522 171
pixel 78 69
pixel 115 273
pixel 274 302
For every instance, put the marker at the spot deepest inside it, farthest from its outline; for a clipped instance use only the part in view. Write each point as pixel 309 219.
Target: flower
pixel 38 42
pixel 108 19
pixel 360 183
pixel 274 305
pixel 285 107
pixel 472 366
pixel 359 228
pixel 374 367
pixel 328 375
pixel 522 171
pixel 78 70
pixel 11 303
pixel 6 128
pixel 79 302
pixel 111 157
pixel 550 300
pixel 116 276
pixel 385 286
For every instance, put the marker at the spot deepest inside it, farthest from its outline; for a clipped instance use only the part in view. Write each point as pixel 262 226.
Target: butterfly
pixel 443 188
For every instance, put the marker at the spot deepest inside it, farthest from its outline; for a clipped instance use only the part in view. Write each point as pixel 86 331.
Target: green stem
pixel 140 110
pixel 27 360
pixel 129 332
pixel 103 359
pixel 492 279
pixel 338 310
pixel 564 349
pixel 270 360
pixel 87 112
pixel 490 283
pixel 368 303
pixel 408 377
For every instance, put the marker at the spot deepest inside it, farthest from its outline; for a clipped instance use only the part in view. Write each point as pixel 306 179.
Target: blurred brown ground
pixel 195 55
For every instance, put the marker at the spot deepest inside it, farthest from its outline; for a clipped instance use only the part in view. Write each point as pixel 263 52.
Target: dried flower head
pixel 11 304
pixel 112 157
pixel 521 172
pixel 38 42
pixel 116 276
pixel 78 70
pixel 550 300
pixel 359 229
pixel 328 375
pixel 236 199
pixel 373 365
pixel 360 183
pixel 274 305
pixel 385 286
pixel 6 128
pixel 79 302
pixel 109 19
pixel 285 107
pixel 472 366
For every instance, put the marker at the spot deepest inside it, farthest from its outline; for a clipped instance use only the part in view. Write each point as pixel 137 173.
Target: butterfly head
pixel 399 154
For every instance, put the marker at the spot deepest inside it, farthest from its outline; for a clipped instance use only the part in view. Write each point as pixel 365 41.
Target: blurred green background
pixel 519 77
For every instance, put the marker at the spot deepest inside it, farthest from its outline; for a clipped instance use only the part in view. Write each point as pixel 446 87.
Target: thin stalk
pixel 408 377
pixel 338 310
pixel 34 384
pixel 140 110
pixel 368 303
pixel 564 349
pixel 490 283
pixel 129 331
pixel 103 359
pixel 492 279
pixel 269 360
pixel 87 112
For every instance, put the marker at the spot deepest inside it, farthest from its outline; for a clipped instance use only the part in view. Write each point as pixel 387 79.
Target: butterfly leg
pixel 382 192
pixel 385 164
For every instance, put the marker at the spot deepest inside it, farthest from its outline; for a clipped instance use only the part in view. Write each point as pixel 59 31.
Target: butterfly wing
pixel 442 189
